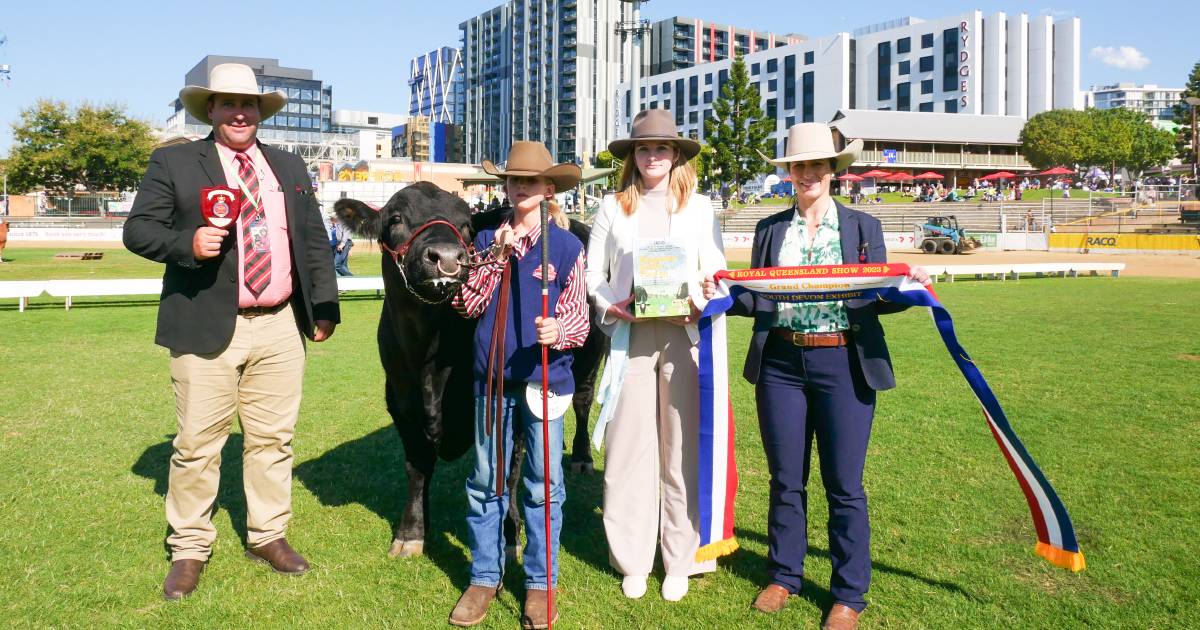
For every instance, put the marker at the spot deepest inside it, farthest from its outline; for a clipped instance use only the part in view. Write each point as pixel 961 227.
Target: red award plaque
pixel 220 205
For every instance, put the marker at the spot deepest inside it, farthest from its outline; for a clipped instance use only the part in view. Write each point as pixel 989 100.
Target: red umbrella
pixel 998 175
pixel 874 173
pixel 1057 170
pixel 899 177
pixel 929 175
pixel 850 177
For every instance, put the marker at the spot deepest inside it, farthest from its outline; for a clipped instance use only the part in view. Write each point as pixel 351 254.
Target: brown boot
pixel 772 599
pixel 182 579
pixel 472 606
pixel 841 617
pixel 280 555
pixel 537 606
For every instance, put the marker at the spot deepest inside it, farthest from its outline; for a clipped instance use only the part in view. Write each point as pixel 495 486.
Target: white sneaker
pixel 634 586
pixel 674 587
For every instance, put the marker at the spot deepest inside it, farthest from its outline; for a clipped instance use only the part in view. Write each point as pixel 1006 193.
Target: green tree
pixel 1149 146
pixel 703 165
pixel 60 148
pixel 1057 137
pixel 1107 138
pixel 1183 117
pixel 737 131
pixel 605 159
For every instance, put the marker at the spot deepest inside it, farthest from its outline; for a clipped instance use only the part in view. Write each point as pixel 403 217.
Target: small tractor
pixel 941 235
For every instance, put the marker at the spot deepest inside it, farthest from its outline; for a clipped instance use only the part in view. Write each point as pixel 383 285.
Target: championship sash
pixel 886 282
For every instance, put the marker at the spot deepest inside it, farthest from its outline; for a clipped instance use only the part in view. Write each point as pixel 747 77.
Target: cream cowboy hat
pixel 650 125
pixel 230 78
pixel 531 159
pixel 814 141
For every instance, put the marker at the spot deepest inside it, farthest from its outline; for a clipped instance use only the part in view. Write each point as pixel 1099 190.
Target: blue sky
pixel 136 53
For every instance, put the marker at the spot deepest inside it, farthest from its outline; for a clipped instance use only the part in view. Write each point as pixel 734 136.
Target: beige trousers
pixel 258 377
pixel 650 485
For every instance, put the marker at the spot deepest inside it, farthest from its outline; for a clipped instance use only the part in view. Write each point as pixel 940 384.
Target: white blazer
pixel 614 238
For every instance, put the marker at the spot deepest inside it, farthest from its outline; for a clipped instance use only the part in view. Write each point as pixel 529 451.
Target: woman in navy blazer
pixel 816 369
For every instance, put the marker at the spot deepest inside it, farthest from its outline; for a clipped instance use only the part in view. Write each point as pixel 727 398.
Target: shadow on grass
pixel 155 461
pixel 752 566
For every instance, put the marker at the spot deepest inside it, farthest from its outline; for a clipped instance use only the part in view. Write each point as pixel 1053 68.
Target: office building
pixel 371 131
pixel 307 115
pixel 423 139
pixel 682 42
pixel 435 85
pixel 971 64
pixel 544 71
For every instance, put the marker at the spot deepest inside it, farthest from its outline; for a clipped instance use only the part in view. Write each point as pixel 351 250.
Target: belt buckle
pixel 797 338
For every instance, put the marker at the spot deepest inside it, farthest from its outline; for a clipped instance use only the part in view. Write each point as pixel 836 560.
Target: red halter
pixel 400 252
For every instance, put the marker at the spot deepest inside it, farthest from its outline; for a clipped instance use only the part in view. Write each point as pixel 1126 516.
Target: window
pixel 755 68
pixel 806 97
pixel 951 106
pixel 903 70
pixel 643 92
pixel 926 64
pixel 708 79
pixel 903 97
pixel 883 83
pixel 927 86
pixel 771 112
pixel 809 57
pixel 950 60
pixel 666 88
pixel 789 82
pixel 791 120
pixel 772 84
pixel 772 65
pixel 903 45
pixel 927 40
pixel 708 97
pixel 926 107
pixel 694 117
pixel 678 101
pixel 693 90
pixel 653 90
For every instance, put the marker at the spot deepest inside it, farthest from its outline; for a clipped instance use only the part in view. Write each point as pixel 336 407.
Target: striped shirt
pixel 570 311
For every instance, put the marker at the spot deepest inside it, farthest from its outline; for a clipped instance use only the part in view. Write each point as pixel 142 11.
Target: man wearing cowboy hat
pixel 236 303
pixel 816 369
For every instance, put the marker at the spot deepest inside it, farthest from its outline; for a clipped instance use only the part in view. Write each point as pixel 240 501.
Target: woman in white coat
pixel 650 392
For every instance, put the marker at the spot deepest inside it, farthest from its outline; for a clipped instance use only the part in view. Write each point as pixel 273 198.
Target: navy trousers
pixel 804 393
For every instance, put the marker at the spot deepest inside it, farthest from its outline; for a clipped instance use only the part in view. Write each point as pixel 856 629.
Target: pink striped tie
pixel 257 264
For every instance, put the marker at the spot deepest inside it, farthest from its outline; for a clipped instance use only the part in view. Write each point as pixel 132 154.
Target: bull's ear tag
pixel 220 205
pixel 557 404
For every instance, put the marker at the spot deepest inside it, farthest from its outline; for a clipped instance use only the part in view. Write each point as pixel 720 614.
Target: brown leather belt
pixel 810 340
pixel 257 311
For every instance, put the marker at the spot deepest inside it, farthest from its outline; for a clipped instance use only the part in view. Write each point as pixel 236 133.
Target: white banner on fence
pixel 65 234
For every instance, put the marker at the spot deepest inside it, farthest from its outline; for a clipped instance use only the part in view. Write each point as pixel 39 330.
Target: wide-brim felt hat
pixel 230 78
pixel 651 125
pixel 814 141
pixel 527 158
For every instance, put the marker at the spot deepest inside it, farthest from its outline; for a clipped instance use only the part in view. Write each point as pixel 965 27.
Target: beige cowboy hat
pixel 650 125
pixel 230 78
pixel 531 159
pixel 814 141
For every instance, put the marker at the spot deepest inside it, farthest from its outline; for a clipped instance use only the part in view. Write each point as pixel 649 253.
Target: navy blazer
pixel 861 233
pixel 198 309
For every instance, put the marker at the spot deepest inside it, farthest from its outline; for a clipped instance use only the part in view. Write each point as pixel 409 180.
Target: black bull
pixel 426 347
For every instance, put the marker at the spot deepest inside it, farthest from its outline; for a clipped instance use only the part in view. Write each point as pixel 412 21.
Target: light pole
pixel 1194 101
pixel 634 29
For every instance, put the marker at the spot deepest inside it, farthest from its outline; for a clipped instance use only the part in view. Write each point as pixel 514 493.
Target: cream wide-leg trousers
pixel 258 377
pixel 650 485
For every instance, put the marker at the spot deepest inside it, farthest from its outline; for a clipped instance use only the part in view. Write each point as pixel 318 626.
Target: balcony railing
pixel 945 159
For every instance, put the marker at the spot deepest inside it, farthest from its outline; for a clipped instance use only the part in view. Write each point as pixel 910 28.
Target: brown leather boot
pixel 537 606
pixel 280 555
pixel 472 606
pixel 772 599
pixel 841 617
pixel 182 579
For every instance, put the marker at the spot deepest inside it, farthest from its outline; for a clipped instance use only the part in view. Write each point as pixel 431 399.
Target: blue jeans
pixel 486 510
pixel 340 260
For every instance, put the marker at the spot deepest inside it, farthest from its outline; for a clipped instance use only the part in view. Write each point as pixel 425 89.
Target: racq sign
pixel 964 57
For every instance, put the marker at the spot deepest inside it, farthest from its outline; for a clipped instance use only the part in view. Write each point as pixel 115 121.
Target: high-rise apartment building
pixel 543 70
pixel 1156 102
pixel 682 42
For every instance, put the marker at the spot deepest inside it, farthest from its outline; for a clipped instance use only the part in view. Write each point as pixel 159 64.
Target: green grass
pixel 1098 376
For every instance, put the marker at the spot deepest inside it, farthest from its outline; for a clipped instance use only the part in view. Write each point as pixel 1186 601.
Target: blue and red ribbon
pixel 1056 540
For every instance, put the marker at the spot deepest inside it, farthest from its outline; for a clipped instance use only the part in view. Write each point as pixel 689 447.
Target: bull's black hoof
pixel 406 548
pixel 582 468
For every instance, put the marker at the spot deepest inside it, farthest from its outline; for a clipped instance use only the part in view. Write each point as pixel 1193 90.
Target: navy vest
pixel 523 354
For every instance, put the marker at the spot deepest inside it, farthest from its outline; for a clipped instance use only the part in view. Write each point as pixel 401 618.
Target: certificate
pixel 660 278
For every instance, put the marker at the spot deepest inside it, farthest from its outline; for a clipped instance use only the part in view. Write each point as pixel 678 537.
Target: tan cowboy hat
pixel 650 125
pixel 531 159
pixel 230 78
pixel 814 141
